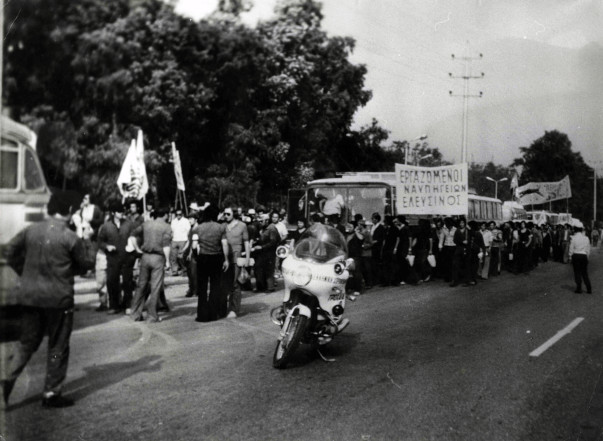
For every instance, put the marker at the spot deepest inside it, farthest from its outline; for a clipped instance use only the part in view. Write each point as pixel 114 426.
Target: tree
pixel 478 174
pixel 549 159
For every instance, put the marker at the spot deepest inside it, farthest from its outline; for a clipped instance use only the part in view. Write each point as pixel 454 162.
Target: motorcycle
pixel 315 272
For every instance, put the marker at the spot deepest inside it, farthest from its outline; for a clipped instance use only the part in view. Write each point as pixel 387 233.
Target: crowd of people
pixel 220 251
pixel 390 252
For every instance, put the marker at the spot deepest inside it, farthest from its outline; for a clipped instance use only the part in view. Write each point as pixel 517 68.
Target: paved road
pixel 417 363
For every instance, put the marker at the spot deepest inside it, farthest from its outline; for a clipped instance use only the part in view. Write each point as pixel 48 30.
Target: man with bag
pixel 237 237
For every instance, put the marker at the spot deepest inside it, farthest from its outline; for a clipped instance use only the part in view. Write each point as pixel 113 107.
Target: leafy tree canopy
pixel 549 159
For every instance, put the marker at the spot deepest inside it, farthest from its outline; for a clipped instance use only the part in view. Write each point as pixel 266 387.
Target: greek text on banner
pixel 432 190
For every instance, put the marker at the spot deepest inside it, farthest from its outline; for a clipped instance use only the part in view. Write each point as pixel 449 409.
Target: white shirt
pixel 180 229
pixel 282 230
pixel 333 206
pixel 487 234
pixel 579 244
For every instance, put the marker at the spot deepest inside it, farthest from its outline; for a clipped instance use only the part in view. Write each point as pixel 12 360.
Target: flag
pixel 132 180
pixel 144 189
pixel 177 168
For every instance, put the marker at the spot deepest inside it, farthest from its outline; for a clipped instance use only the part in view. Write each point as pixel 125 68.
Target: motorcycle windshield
pixel 321 243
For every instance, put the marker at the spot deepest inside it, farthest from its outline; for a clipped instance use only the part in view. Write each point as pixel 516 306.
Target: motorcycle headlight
pixel 302 276
pixel 282 252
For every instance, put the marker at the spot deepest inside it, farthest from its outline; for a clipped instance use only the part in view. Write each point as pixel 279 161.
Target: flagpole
pixel 185 203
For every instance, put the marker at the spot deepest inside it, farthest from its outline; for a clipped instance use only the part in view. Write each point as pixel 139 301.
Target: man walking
pixel 155 236
pixel 238 241
pixel 579 251
pixel 47 255
pixel 112 239
pixel 180 228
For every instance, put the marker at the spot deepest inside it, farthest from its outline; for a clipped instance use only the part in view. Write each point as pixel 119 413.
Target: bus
pixel 23 192
pixel 366 193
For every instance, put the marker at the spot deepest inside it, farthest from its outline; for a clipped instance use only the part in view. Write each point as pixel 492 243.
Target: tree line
pixel 253 110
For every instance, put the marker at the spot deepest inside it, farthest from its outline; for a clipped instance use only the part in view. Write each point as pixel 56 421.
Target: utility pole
pixel 466 95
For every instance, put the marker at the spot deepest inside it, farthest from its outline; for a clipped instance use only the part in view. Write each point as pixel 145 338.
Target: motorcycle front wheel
pixel 293 336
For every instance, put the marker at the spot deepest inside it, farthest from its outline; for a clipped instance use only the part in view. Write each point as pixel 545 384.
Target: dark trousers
pixel 495 260
pixel 405 272
pixel 580 264
pixel 264 270
pixel 191 271
pixel 389 269
pixel 209 269
pixel 523 259
pixel 460 266
pixel 445 262
pixel 231 300
pixel 35 322
pixel 421 266
pixel 119 266
pixel 152 273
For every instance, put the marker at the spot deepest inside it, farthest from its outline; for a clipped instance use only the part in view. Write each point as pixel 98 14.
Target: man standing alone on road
pixel 238 241
pixel 155 236
pixel 47 255
pixel 579 250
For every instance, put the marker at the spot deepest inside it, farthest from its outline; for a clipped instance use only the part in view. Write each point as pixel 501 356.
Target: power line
pixel 466 95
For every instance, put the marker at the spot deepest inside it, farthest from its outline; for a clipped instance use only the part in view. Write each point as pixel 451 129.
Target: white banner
pixel 432 190
pixel 536 193
pixel 177 168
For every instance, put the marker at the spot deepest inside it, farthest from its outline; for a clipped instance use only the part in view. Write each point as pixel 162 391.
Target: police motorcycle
pixel 315 272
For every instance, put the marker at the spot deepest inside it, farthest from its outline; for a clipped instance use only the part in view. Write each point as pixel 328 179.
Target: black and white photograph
pixel 301 220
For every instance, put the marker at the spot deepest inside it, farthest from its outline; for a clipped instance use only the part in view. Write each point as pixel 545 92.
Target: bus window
pixel 367 200
pixel 33 174
pixel 9 168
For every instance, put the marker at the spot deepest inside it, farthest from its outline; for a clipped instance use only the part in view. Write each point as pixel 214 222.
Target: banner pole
pixel 185 203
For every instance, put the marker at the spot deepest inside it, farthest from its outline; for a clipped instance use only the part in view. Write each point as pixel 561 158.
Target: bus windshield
pixel 349 201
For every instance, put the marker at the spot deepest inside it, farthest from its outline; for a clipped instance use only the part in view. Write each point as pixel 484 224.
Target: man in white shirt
pixel 180 228
pixel 579 250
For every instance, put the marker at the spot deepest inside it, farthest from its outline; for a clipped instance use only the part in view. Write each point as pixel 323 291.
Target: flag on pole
pixel 132 181
pixel 177 168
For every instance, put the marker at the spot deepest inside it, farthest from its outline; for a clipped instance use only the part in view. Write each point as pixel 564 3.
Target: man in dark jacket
pixel 47 255
pixel 112 239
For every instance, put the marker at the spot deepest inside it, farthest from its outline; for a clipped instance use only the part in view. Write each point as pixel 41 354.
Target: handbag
pixel 411 259
pixel 432 260
pixel 510 256
pixel 243 276
pixel 241 261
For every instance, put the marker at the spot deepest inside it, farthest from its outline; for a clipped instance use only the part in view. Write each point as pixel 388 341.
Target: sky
pixel 537 76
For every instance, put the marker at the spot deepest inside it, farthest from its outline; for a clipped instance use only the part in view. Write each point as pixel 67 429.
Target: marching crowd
pixel 218 251
pixel 390 252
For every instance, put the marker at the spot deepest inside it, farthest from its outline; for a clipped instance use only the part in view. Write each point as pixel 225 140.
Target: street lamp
pixel 418 160
pixel 418 138
pixel 496 185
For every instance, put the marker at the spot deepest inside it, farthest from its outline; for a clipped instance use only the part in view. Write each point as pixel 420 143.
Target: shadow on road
pixel 98 377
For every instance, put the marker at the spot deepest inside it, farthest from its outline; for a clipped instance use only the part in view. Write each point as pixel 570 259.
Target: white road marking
pixel 558 336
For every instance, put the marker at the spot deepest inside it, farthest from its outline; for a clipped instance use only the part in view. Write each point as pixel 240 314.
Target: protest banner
pixel 535 193
pixel 432 190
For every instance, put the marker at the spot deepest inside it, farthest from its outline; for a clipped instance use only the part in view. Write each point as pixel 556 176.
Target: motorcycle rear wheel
pixel 287 346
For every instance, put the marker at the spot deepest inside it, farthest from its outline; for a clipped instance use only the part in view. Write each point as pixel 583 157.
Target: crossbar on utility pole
pixel 466 95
